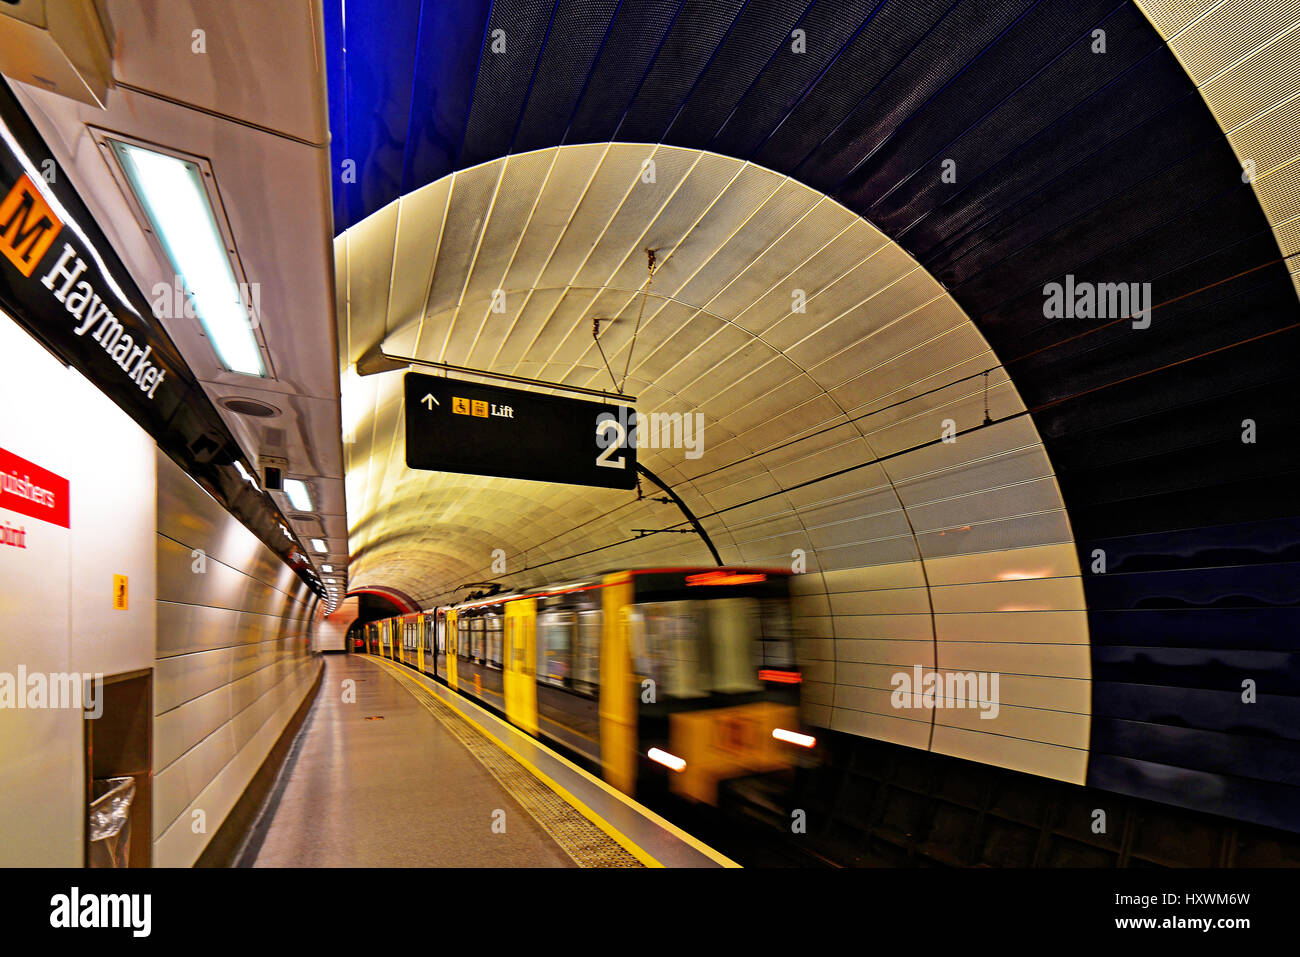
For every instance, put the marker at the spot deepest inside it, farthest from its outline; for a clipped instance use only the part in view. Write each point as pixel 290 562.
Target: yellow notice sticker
pixel 119 592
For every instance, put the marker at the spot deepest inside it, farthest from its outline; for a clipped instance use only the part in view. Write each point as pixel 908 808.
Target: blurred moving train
pixel 676 677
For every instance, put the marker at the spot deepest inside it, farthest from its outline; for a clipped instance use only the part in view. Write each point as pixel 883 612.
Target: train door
pixel 440 645
pixel 421 625
pixel 520 654
pixel 618 702
pixel 452 650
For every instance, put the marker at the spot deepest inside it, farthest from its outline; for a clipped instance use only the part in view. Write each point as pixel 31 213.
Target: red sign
pixel 28 489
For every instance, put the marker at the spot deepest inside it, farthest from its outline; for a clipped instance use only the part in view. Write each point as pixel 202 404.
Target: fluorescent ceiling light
pixel 327 568
pixel 299 497
pixel 319 545
pixel 172 194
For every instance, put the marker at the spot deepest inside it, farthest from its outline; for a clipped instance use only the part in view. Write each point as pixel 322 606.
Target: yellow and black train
pixel 676 677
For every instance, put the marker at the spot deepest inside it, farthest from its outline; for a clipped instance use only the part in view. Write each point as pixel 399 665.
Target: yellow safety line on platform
pixel 614 792
pixel 623 841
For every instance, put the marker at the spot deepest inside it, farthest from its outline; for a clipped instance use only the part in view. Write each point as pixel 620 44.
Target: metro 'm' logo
pixel 28 227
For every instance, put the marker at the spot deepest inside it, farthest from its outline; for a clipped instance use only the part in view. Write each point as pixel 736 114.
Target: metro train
pixel 666 679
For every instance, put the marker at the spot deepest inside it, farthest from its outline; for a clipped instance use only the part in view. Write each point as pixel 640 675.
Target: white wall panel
pixel 56 593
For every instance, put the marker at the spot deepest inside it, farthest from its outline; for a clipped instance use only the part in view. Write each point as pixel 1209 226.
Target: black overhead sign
pixel 455 426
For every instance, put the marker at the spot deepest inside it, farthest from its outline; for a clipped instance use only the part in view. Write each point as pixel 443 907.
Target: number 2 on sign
pixel 603 459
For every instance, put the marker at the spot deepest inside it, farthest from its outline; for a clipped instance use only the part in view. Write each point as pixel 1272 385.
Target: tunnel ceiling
pixel 1077 139
pixel 870 366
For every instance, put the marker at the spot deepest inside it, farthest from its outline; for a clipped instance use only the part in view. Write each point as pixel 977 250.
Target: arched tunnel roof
pixel 924 172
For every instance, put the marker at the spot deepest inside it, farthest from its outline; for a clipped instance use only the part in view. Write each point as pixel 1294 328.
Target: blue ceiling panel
pixel 447 58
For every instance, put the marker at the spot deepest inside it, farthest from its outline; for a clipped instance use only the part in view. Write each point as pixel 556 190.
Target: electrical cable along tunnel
pixel 689 418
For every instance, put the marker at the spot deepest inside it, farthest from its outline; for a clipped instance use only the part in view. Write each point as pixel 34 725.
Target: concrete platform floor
pixel 397 792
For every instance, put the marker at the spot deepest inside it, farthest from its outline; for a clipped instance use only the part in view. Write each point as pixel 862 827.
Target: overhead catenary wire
pixel 645 293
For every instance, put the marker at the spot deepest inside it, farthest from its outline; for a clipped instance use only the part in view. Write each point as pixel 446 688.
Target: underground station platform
pixel 416 776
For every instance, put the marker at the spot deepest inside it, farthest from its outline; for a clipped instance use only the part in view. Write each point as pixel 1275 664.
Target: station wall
pixel 225 626
pixel 234 662
pixel 57 587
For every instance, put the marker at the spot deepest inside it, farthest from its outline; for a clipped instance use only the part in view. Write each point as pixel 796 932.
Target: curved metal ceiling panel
pixel 1075 144
pixel 821 422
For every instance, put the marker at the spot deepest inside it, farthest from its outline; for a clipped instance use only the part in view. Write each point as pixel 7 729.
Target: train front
pixel 718 684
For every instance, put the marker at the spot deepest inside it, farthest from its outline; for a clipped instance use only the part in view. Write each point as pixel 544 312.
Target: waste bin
pixel 110 821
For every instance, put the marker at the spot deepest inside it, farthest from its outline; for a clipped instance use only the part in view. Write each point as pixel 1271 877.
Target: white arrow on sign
pixel 430 401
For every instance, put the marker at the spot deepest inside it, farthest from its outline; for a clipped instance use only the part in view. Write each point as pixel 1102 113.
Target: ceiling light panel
pixel 170 190
pixel 298 493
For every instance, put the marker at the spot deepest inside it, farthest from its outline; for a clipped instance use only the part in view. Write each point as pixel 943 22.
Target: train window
pixel 667 648
pixel 733 628
pixel 462 637
pixel 477 651
pixel 586 659
pixel 776 647
pixel 554 646
pixel 494 640
pixel 442 635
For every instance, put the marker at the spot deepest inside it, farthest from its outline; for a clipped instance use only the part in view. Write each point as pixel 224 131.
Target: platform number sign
pixel 611 434
pixel 474 429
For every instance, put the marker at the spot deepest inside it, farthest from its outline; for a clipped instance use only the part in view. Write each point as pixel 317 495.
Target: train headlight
pixel 667 760
pixel 794 737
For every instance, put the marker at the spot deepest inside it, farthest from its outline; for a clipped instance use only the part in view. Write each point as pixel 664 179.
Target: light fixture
pixel 172 194
pixel 319 545
pixel 298 494
pixel 329 569
pixel 667 760
pixel 794 737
